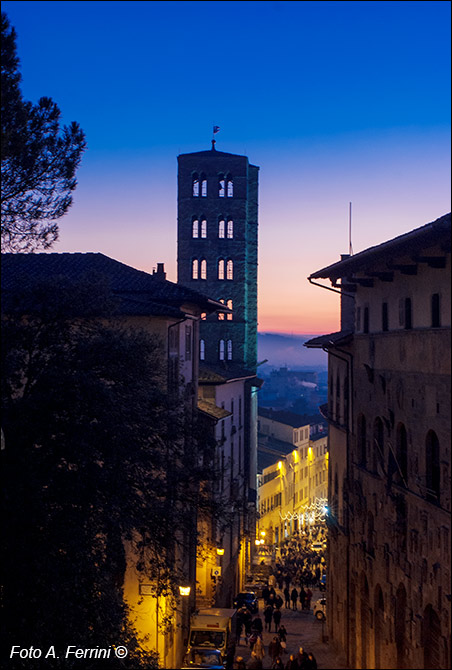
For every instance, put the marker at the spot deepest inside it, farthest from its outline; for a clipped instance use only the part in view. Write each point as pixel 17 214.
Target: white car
pixel 320 609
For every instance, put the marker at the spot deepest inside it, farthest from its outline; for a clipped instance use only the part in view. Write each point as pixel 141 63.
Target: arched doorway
pixel 400 625
pixel 431 639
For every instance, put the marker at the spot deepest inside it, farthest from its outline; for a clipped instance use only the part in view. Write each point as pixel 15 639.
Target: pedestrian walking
pixel 292 663
pixel 257 625
pixel 277 618
pixel 302 659
pixel 278 601
pixel 293 597
pixel 239 663
pixel 308 599
pixel 259 648
pixel 302 597
pixel 287 597
pixel 278 665
pixel 282 633
pixel 268 616
pixel 274 649
pixel 311 663
pixel 265 594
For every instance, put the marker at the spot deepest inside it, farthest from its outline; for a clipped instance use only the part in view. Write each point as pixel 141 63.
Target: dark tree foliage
pixel 93 454
pixel 38 161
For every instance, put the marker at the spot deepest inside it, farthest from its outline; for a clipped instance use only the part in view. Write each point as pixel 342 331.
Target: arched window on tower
pixel 203 185
pixel 221 228
pixel 204 228
pixel 195 185
pixel 432 467
pixel 221 186
pixel 230 270
pixel 229 350
pixel 194 269
pixel 229 304
pixel 230 186
pixel 221 350
pixel 202 350
pixel 195 228
pixel 221 269
pixel 203 269
pixel 230 229
pixel 221 314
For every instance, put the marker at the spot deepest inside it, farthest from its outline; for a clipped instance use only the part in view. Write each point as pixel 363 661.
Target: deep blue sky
pixel 335 101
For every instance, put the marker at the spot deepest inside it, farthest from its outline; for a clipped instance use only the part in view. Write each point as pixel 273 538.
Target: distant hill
pixel 288 351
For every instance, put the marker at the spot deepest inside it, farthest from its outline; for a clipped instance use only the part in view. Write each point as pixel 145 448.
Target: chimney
pixel 160 272
pixel 347 308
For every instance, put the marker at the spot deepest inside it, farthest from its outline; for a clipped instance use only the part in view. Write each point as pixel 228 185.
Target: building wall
pixel 389 528
pixel 295 485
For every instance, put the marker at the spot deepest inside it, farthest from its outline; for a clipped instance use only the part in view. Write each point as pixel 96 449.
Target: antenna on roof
pixel 350 248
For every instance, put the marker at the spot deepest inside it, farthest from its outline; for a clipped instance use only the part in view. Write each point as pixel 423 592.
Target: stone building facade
pixel 389 441
pixel 217 254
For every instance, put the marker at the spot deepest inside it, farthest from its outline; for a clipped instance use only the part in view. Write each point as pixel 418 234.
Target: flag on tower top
pixel 216 129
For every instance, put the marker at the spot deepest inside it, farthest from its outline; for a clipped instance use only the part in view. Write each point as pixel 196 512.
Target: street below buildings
pixel 303 629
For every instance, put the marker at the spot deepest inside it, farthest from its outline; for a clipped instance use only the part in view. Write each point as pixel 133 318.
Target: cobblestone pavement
pixel 303 629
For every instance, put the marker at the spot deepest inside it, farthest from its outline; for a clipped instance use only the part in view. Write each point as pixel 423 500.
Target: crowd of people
pixel 299 564
pixel 298 569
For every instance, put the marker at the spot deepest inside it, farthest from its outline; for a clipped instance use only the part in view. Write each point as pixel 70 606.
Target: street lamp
pixel 184 590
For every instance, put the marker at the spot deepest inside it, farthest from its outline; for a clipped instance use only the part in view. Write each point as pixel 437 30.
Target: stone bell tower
pixel 217 250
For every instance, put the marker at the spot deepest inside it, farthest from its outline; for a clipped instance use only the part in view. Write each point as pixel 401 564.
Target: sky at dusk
pixel 335 101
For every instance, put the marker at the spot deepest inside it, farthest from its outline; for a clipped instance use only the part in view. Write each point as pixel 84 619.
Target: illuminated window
pixel 229 350
pixel 221 228
pixel 221 314
pixel 195 228
pixel 202 350
pixel 203 185
pixel 195 185
pixel 230 187
pixel 221 186
pixel 203 228
pixel 194 270
pixel 230 229
pixel 229 304
pixel 221 269
pixel 229 270
pixel 203 316
pixel 203 269
pixel 221 350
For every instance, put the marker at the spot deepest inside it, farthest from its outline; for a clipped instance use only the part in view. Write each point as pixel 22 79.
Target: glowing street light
pixel 184 590
pixel 220 551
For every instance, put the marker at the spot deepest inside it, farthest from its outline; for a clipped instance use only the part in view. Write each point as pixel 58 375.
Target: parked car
pixel 247 599
pixel 257 588
pixel 199 657
pixel 320 609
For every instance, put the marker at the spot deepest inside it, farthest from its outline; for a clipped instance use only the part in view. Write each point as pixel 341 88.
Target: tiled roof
pixel 214 374
pixel 325 340
pixel 212 410
pixel 136 289
pixel 413 242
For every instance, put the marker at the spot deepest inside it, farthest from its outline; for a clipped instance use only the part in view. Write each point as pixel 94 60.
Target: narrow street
pixel 303 629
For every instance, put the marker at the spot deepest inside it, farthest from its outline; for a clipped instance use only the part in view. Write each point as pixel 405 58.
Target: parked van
pixel 213 628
